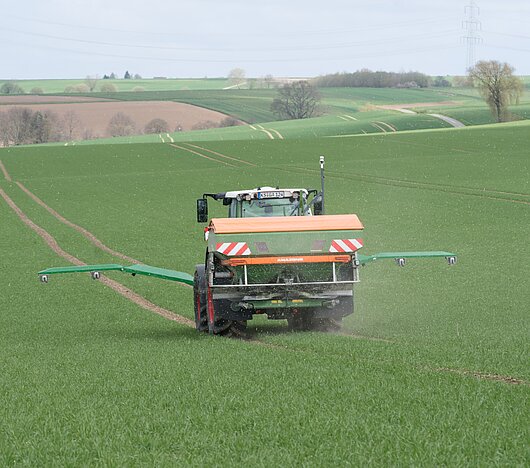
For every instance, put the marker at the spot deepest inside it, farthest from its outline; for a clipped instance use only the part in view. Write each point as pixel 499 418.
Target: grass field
pixel 345 124
pixel 254 105
pixel 58 86
pixel 474 111
pixel 421 375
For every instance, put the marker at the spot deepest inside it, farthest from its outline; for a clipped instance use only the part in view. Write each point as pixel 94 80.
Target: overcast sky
pixel 76 38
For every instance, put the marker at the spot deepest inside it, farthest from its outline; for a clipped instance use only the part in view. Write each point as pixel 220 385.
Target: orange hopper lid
pixel 349 222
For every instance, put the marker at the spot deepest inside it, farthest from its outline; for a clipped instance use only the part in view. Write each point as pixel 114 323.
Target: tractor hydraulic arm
pixel 400 257
pixel 95 270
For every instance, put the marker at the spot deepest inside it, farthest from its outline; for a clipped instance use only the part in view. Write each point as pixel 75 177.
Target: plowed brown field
pixel 95 116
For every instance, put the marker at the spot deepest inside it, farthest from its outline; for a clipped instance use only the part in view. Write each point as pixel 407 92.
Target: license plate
pixel 262 195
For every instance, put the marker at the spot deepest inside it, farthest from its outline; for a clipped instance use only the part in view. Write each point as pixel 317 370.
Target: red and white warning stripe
pixel 345 245
pixel 233 248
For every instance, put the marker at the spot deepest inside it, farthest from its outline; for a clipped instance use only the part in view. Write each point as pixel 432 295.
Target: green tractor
pixel 278 254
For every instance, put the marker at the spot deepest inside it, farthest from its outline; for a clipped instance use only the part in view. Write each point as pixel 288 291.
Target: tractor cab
pixel 264 202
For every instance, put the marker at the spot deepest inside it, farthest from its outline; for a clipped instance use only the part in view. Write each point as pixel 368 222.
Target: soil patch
pixel 95 116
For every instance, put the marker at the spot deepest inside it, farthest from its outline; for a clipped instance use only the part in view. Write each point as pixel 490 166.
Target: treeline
pixel 370 79
pixel 22 126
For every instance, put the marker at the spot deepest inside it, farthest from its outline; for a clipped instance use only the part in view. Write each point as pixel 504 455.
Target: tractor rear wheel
pixel 200 299
pixel 221 326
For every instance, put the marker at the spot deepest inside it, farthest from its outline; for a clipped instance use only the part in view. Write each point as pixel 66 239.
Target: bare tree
pixel 45 126
pixel 498 86
pixel 121 125
pixel 19 125
pixel 71 124
pixel 269 80
pixel 229 122
pixel 91 82
pixel 156 126
pixel 88 134
pixel 56 125
pixel 296 100
pixel 236 77
pixel 4 132
pixel 205 125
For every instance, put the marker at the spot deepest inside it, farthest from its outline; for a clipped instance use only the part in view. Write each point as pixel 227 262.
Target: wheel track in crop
pixel 456 189
pixel 222 155
pixel 7 177
pixel 478 375
pixel 189 150
pixel 121 289
pixel 142 302
pixel 482 375
pixel 86 233
pixel 445 188
pixel 262 129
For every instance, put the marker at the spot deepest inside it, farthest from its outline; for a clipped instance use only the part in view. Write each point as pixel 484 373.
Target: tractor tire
pixel 200 299
pixel 221 326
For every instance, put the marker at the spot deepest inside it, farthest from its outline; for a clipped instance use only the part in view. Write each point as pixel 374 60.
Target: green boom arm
pixel 400 257
pixel 147 270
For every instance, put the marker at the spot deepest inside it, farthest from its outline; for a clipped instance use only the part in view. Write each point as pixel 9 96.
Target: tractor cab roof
pixel 267 192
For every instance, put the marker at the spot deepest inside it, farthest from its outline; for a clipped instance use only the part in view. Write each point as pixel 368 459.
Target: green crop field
pixel 254 105
pixel 482 115
pixel 336 125
pixel 431 369
pixel 248 105
pixel 474 111
pixel 58 86
pixel 339 96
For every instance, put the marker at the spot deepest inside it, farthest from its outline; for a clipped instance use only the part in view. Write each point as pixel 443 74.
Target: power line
pixel 385 26
pixel 517 49
pixel 238 49
pixel 518 36
pixel 240 60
